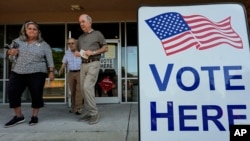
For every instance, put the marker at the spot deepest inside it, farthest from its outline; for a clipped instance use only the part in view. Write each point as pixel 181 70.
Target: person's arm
pixel 62 69
pixel 12 51
pixel 51 73
pixel 100 51
pixel 50 61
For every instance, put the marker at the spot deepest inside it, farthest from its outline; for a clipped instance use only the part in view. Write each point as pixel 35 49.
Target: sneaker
pixel 94 119
pixel 85 118
pixel 14 121
pixel 33 121
pixel 78 112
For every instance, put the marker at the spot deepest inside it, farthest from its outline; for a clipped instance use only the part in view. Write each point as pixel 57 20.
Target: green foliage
pixel 58 56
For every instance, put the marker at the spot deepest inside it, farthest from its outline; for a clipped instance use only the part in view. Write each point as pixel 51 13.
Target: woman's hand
pixel 51 76
pixel 13 51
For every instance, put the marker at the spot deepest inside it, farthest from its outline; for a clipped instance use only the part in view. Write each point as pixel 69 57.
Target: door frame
pixel 118 98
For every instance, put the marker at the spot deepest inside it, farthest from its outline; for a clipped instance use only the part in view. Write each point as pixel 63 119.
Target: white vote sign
pixel 194 71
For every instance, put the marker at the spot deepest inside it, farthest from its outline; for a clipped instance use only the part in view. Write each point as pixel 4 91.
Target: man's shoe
pixel 85 118
pixel 94 119
pixel 14 121
pixel 33 121
pixel 78 112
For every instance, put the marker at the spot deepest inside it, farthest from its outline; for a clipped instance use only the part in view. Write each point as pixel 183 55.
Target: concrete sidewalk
pixel 118 122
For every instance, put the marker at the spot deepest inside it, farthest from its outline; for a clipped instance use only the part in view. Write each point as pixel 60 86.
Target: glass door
pixel 107 89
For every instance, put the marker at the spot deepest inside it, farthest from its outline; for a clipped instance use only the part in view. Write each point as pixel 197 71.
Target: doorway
pixel 107 89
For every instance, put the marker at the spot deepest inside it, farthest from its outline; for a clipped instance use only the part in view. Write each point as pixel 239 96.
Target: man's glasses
pixel 71 43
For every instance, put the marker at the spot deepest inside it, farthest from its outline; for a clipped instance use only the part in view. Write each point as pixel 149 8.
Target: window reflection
pixel 54 90
pixel 129 61
pixel 130 90
pixel 131 28
pixel 54 35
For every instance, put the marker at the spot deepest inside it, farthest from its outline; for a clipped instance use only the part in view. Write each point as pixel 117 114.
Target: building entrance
pixel 107 86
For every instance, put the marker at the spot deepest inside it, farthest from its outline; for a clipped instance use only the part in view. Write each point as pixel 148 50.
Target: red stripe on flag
pixel 209 34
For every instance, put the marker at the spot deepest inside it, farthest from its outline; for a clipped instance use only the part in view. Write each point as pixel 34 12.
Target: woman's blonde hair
pixel 23 36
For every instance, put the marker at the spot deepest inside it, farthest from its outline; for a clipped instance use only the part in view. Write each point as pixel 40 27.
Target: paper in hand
pixel 82 53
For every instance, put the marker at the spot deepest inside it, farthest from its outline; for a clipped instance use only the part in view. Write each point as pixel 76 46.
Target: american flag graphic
pixel 178 33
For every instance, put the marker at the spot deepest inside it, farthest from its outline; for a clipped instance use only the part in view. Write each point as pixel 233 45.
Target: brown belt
pixel 89 60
